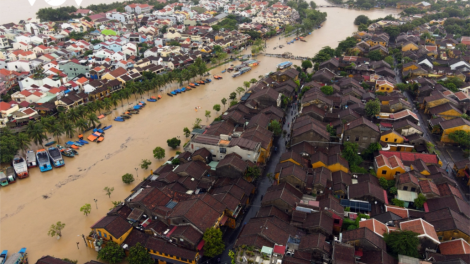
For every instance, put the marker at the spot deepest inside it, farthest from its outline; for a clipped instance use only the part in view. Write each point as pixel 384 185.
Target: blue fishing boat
pixel 81 141
pixel 49 143
pixel 18 258
pixel 223 71
pixel 183 89
pixel 107 127
pixel 119 119
pixel 56 157
pixel 173 93
pixel 151 100
pixel 3 256
pixel 197 84
pixel 170 94
pixel 208 80
pixel 137 107
pixel 70 143
pixel 44 161
pixel 76 143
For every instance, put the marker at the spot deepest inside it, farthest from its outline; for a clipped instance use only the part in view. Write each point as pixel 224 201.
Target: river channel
pixel 31 205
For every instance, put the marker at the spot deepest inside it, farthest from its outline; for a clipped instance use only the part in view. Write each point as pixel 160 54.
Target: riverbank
pixel 31 205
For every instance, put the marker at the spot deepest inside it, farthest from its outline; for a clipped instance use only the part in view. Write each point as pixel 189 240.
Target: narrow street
pixel 231 235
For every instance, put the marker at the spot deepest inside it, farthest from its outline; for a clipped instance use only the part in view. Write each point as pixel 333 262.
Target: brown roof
pixel 447 189
pixel 259 134
pixel 404 123
pixel 195 169
pixel 114 225
pixel 188 232
pixel 319 220
pixel 428 187
pixel 362 189
pixel 446 219
pixel 367 234
pixel 314 241
pixel 454 247
pixel 271 229
pixel 233 160
pixel 162 246
pixel 456 122
pixel 196 211
pixel 273 211
pixel 224 128
pixel 376 257
pixel 136 236
pixel 291 155
pixel 259 120
pixel 443 108
pixel 374 225
pixel 203 152
pixel 303 148
pixel 283 194
pixel 118 72
pixel 307 123
pixel 421 227
pixel 244 143
pixel 450 201
pixel 361 121
pixel 343 253
pixel 407 177
pixel 295 171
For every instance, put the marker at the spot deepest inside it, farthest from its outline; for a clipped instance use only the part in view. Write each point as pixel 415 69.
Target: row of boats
pixel 134 110
pixel 46 158
pixel 21 257
pixel 191 86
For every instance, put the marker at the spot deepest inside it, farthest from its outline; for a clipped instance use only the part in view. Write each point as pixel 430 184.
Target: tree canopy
pixel 111 253
pixel 402 242
pixel 139 255
pixel 213 243
pixel 361 19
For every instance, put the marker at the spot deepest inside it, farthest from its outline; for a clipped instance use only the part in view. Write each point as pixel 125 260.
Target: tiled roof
pixel 367 234
pixel 234 161
pixel 446 219
pixel 454 247
pixel 456 122
pixel 411 157
pixel 407 177
pixel 115 225
pixel 362 189
pixel 361 121
pixel 447 189
pixel 400 211
pixel 428 187
pixel 450 201
pixel 421 227
pixel 197 212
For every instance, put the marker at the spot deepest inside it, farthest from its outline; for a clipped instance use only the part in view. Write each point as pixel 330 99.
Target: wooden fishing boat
pixel 100 139
pixel 108 113
pixel 11 176
pixel 201 82
pixel 56 157
pixel 20 166
pixel 3 179
pixel 31 159
pixel 44 161
pixel 18 258
pixel 126 116
pixel 3 256
pixel 49 143
pixel 192 85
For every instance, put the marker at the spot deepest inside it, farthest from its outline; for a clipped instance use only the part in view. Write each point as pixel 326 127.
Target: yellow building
pixel 112 228
pixel 462 169
pixel 384 86
pixel 446 111
pixel 166 253
pixel 388 167
pixel 420 166
pixel 453 125
pixel 334 162
pixel 411 66
pixel 409 46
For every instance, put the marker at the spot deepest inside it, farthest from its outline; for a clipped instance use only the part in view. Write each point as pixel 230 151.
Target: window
pixel 386 139
pixel 105 235
pixel 364 138
pixel 413 189
pixel 405 188
pixel 336 221
pixel 384 172
pixel 357 139
pixel 223 150
pixel 347 139
pixel 372 140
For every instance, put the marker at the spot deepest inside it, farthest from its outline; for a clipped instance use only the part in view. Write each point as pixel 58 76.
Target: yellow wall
pixel 291 160
pixel 409 46
pixel 402 148
pixel 170 257
pixel 389 173
pixel 384 87
pixel 449 114
pixel 435 103
pixel 454 234
pixel 318 164
pixel 105 235
pixel 337 167
pixel 445 135
pixel 411 67
pixel 375 43
pixel 108 76
pixel 392 138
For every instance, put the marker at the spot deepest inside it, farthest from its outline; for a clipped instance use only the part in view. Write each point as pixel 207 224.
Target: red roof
pixel 421 227
pixel 279 249
pixel 454 247
pixel 410 156
pixel 82 80
pixel 4 106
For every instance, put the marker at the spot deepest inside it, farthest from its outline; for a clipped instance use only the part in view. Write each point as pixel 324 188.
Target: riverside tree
pixel 56 229
pixel 108 190
pixel 139 255
pixel 112 253
pixel 186 132
pixel 159 153
pixel 216 108
pixel 128 178
pixel 145 163
pixel 208 114
pixel 224 101
pixel 173 142
pixel 214 244
pixel 86 209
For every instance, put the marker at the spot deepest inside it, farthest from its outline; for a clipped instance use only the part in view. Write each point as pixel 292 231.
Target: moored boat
pixel 56 157
pixel 44 161
pixel 18 258
pixel 107 127
pixel 49 143
pixel 3 179
pixel 201 82
pixel 10 172
pixel 67 152
pixel 151 100
pixel 31 159
pixel 3 256
pixel 20 166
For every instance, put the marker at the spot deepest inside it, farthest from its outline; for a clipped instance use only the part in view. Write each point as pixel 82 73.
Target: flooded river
pixel 31 205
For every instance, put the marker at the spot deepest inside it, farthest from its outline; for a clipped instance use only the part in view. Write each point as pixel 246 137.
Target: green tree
pixel 350 154
pixel 213 243
pixel 331 130
pixel 36 132
pixel 402 242
pixel 253 172
pixel 239 90
pixel 275 127
pixel 234 102
pixel 186 132
pixel 328 90
pixel 128 178
pixel 375 55
pixel 23 141
pixel 368 154
pixel 56 229
pixel 420 200
pixel 224 101
pixel 108 190
pixel 398 202
pixel 372 108
pixel 173 142
pixel 86 209
pixel 159 153
pixel 389 60
pixel 460 137
pixel 306 64
pixel 361 19
pixel 111 253
pixel 175 161
pixel 139 255
pixel 197 123
pixel 232 96
pixel 208 114
pixel 216 108
pixel 145 163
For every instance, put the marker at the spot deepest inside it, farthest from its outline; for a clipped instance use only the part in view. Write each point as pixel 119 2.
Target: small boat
pixel 108 113
pixel 70 143
pixel 67 152
pixel 44 161
pixel 159 97
pixel 119 119
pixel 183 89
pixel 3 256
pixel 192 85
pixel 81 141
pixel 100 130
pixel 80 136
pixel 92 137
pixel 49 143
pixel 3 179
pixel 20 166
pixel 76 143
pixel 126 116
pixel 56 157
pixel 31 159
pixel 196 84
pixel 100 139
pixel 152 100
pixel 74 151
pixel 71 146
pixel 201 82
pixel 217 77
pixel 18 258
pixel 10 172
pixel 170 94
pixel 223 71
pixel 101 116
pixel 189 88
pixel 107 127
pixel 208 80
pixel 131 112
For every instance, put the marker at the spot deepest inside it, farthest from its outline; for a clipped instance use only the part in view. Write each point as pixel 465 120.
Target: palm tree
pixel 107 103
pixel 47 122
pixel 82 125
pixel 81 110
pixel 126 94
pixel 155 83
pixel 69 129
pixel 91 107
pixel 23 141
pixel 72 115
pixel 253 81
pixel 57 131
pixel 62 118
pixel 93 119
pixel 36 132
pixel 114 99
pixel 99 105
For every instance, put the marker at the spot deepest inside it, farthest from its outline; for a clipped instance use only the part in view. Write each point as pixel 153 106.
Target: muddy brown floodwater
pixel 31 205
